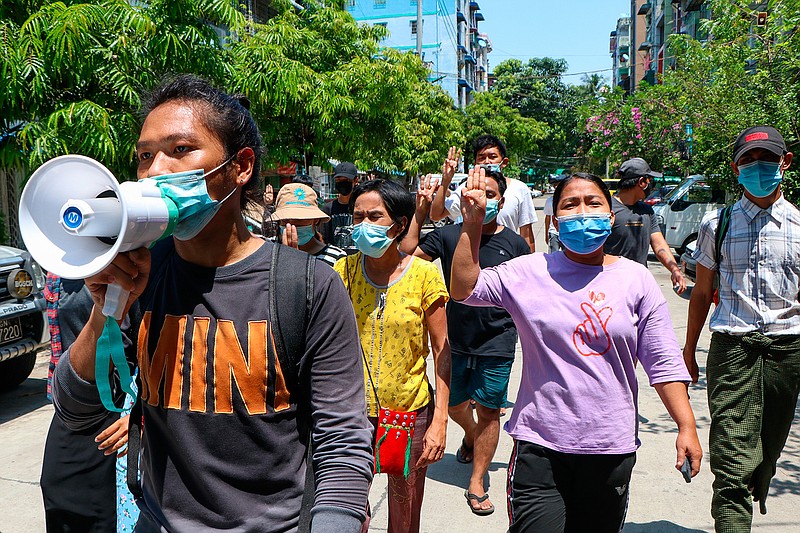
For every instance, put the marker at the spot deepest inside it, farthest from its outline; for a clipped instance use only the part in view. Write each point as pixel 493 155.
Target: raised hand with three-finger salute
pixel 450 166
pixel 289 236
pixel 426 191
pixel 473 199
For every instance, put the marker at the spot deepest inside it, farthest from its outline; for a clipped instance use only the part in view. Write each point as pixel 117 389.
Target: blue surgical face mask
pixel 305 234
pixel 760 178
pixel 371 239
pixel 492 208
pixel 188 192
pixel 584 233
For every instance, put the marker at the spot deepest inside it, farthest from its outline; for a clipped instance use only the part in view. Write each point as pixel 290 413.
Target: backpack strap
pixel 723 224
pixel 292 282
pixel 135 444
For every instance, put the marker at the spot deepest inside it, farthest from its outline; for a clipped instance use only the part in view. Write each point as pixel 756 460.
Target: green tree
pixel 592 86
pixel 537 90
pixel 489 114
pixel 75 71
pixel 320 85
pixel 323 88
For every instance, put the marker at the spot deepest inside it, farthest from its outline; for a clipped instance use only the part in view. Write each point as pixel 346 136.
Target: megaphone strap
pixel 110 349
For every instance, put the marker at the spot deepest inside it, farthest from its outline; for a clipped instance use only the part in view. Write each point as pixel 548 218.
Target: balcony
pixel 473 5
pixel 479 17
pixel 644 9
pixel 645 46
pixel 469 59
pixel 461 48
pixel 460 17
pixel 464 83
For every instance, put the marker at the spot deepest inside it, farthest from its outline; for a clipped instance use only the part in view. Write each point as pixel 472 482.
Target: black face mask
pixel 648 189
pixel 344 187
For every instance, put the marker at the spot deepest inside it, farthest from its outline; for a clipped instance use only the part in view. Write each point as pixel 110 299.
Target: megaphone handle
pixel 116 298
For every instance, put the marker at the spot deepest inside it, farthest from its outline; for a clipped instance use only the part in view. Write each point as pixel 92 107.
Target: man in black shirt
pixel 635 230
pixel 226 427
pixel 339 230
pixel 482 339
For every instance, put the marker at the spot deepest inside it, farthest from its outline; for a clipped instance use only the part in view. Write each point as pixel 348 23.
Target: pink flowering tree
pixel 647 125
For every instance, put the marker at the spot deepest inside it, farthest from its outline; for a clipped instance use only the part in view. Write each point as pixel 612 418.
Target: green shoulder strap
pixel 723 224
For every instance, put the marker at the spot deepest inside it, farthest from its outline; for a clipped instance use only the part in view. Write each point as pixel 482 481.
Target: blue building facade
pixel 452 47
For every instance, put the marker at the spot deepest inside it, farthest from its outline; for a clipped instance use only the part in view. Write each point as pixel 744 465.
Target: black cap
pixel 636 168
pixel 765 137
pixel 346 170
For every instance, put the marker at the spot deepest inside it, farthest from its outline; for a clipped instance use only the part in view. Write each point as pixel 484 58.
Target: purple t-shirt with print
pixel 582 329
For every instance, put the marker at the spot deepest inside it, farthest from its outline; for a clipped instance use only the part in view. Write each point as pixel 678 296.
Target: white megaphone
pixel 75 218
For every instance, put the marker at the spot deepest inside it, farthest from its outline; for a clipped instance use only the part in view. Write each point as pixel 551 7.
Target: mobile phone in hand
pixel 686 470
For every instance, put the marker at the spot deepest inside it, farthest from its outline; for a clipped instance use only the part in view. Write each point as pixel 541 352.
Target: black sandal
pixel 480 499
pixel 460 453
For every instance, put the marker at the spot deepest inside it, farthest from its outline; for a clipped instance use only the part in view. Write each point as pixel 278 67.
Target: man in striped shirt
pixel 753 366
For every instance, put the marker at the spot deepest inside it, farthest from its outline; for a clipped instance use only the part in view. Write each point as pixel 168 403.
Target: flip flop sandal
pixel 480 499
pixel 460 454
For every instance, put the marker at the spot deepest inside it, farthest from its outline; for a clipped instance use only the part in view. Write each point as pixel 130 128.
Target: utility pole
pixel 419 29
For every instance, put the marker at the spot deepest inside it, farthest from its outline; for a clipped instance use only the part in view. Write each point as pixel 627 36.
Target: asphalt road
pixel 661 502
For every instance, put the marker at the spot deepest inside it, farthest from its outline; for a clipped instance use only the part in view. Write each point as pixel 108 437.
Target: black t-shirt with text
pixel 484 331
pixel 630 234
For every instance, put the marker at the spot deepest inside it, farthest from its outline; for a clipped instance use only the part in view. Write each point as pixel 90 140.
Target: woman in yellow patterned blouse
pixel 399 301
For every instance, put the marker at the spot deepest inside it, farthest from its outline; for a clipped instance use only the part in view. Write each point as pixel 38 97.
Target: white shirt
pixel 548 211
pixel 548 206
pixel 517 211
pixel 759 271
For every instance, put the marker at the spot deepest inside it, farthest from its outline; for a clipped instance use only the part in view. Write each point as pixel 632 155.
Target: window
pixel 379 4
pixel 413 2
pixel 351 3
pixel 413 27
pixel 382 24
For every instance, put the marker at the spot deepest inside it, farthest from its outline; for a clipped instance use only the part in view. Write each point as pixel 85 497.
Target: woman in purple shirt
pixel 596 316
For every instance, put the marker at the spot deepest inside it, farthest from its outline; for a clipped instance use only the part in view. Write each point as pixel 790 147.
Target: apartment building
pixel 652 22
pixel 453 47
pixel 620 49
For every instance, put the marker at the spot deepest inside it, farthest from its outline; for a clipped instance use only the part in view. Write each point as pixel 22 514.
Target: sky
pixel 575 30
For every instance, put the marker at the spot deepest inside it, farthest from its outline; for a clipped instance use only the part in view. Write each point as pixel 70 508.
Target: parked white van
pixel 683 208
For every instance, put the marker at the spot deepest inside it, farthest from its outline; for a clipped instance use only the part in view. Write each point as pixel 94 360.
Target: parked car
pixel 657 196
pixel 535 193
pixel 23 319
pixel 683 208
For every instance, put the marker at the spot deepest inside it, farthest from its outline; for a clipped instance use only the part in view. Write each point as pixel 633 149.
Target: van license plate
pixel 10 330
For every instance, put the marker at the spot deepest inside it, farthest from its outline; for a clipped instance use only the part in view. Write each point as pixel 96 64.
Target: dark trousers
pixel 753 384
pixel 78 482
pixel 554 492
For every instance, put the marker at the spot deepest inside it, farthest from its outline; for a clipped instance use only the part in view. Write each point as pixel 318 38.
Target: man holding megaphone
pixel 229 380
